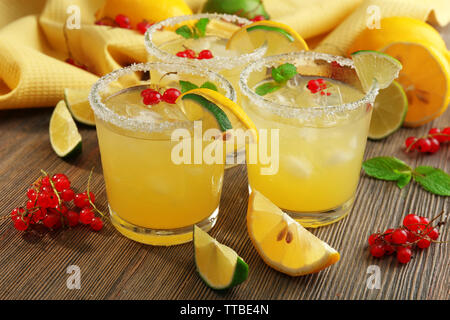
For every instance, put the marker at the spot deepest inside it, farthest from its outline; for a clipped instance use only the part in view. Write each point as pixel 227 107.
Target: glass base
pixel 160 237
pixel 321 218
pixel 317 219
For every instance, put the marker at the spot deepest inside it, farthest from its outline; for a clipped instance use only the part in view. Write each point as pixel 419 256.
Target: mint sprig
pixel 280 75
pixel 198 31
pixel 392 169
pixel 186 86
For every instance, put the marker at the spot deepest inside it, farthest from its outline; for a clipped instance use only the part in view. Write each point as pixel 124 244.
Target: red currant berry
pixel 411 236
pixel 20 224
pixel 423 243
pixel 423 145
pixel 410 143
pixel 86 216
pixel 96 224
pixel 122 20
pixel 436 133
pixel 182 54
pixel 377 251
pixel 50 220
pixel 80 200
pixel 32 194
pixel 91 196
pixel 152 97
pixel 205 54
pixel 433 234
pixel 388 249
pixel 143 26
pixel 72 218
pixel 67 194
pixel 399 236
pixel 258 18
pixel 313 86
pixel 404 254
pixel 373 239
pixel 190 53
pixel 434 145
pixel 411 222
pixel 43 200
pixel 59 176
pixel 446 134
pixel 17 212
pixel 171 95
pixel 45 181
pixel 38 215
pixel 30 204
pixel 388 235
pixel 61 184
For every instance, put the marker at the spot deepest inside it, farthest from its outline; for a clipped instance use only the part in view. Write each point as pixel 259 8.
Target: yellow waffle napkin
pixel 340 39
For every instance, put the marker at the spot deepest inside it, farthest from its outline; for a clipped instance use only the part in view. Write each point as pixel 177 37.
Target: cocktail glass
pixel 152 198
pixel 163 43
pixel 319 138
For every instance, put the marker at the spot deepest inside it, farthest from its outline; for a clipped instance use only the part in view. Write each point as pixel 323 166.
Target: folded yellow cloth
pixel 34 43
pixel 340 39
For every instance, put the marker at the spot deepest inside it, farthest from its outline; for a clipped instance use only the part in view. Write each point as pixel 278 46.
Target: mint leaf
pixel 284 72
pixel 186 86
pixel 404 179
pixel 209 85
pixel 433 180
pixel 266 88
pixel 185 32
pixel 387 168
pixel 201 26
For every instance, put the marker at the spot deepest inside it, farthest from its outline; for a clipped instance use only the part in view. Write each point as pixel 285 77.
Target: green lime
pixel 78 104
pixel 375 66
pixel 64 136
pixel 389 111
pixel 218 265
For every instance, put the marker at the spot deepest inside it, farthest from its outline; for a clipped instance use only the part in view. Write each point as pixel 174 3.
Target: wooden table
pixel 34 266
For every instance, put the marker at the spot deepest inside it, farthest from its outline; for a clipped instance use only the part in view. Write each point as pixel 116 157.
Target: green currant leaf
pixel 266 88
pixel 404 179
pixel 433 180
pixel 209 85
pixel 185 32
pixel 186 86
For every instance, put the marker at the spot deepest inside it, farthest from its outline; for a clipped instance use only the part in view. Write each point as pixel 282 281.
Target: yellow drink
pixel 152 197
pixel 320 147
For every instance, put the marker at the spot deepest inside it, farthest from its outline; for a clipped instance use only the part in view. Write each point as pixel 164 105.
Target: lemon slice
pixel 223 112
pixel 373 65
pixel 425 77
pixel 218 265
pixel 282 242
pixel 389 111
pixel 280 38
pixel 78 104
pixel 64 136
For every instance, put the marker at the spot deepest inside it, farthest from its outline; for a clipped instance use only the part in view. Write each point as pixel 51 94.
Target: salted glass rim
pixel 106 114
pixel 288 111
pixel 215 63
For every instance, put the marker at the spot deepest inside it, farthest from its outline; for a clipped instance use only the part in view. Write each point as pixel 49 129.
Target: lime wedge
pixel 78 104
pixel 389 111
pixel 373 65
pixel 218 265
pixel 64 136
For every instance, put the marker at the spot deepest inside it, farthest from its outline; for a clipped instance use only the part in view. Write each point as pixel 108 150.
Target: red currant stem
pixel 158 88
pixel 89 194
pixel 53 186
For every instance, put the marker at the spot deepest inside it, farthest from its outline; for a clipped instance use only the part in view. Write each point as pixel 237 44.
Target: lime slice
pixel 78 104
pixel 218 265
pixel 373 65
pixel 389 111
pixel 279 37
pixel 64 136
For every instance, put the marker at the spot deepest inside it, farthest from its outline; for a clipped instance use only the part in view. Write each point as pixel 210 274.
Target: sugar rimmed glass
pixel 321 141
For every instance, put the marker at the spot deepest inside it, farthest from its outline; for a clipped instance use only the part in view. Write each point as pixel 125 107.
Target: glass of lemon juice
pixel 153 196
pixel 321 116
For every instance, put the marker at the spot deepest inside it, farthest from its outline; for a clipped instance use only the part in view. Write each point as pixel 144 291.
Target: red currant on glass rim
pixel 151 97
pixel 205 54
pixel 171 95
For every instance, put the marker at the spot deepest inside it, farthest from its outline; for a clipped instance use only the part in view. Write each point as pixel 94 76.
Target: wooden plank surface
pixel 34 266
